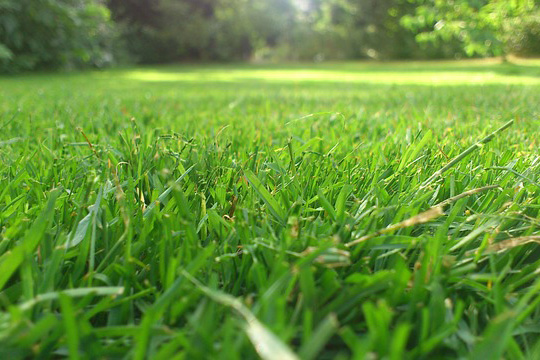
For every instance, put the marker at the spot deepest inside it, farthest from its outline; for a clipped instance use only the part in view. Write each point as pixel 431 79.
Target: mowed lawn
pixel 291 211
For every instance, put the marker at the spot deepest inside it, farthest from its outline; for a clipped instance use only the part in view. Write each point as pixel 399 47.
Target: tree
pixel 173 30
pixel 357 28
pixel 54 33
pixel 483 27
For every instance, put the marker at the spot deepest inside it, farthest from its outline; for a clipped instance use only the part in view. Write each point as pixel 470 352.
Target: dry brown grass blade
pixel 467 193
pixel 509 244
pixel 422 218
pixel 330 258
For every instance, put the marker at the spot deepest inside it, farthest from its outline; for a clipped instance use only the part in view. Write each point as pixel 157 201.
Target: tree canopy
pixel 483 27
pixel 74 33
pixel 54 33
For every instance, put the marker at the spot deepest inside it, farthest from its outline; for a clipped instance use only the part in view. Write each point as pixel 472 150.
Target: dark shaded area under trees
pixel 37 34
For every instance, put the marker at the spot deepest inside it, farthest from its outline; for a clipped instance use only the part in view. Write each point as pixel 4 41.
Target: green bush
pixel 37 34
pixel 5 53
pixel 525 40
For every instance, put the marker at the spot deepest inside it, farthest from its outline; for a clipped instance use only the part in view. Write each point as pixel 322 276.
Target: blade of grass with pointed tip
pixel 326 205
pixel 76 237
pixel 413 151
pixel 70 326
pixel 273 205
pixel 469 150
pixel 319 338
pixel 10 261
pixel 73 293
pixel 494 338
pixel 341 201
pixel 163 196
pixel 266 343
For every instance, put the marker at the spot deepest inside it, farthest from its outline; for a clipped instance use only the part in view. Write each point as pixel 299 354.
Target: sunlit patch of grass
pixel 411 73
pixel 437 78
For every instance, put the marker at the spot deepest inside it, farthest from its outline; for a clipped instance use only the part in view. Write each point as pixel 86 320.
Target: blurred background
pixel 71 34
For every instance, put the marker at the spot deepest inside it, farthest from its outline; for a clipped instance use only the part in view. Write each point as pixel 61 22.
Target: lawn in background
pixel 235 211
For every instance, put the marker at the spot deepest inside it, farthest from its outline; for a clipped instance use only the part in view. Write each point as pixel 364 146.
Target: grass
pixel 276 211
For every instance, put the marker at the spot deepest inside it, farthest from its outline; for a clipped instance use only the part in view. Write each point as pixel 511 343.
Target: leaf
pixel 70 326
pixel 504 245
pixel 326 205
pixel 365 280
pixel 273 206
pixel 422 218
pixel 80 232
pixel 74 293
pixel 495 338
pixel 163 196
pixel 266 343
pixel 399 341
pixel 320 337
pixel 414 150
pixel 11 141
pixel 341 201
pixel 82 228
pixel 11 260
pixel 331 257
pixel 5 53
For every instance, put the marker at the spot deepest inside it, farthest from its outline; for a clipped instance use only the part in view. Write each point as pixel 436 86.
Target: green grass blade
pixel 274 207
pixel 70 326
pixel 10 261
pixel 320 337
pixel 267 344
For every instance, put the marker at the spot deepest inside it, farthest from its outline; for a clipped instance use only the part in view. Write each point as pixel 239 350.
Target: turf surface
pixel 284 211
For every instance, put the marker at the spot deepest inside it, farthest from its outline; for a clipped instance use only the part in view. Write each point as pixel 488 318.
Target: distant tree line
pixel 38 34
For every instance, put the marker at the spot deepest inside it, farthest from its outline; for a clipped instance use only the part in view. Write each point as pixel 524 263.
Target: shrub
pixel 525 40
pixel 36 34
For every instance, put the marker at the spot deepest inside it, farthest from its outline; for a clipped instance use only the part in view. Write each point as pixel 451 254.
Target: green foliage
pixel 169 30
pixel 525 36
pixel 5 53
pixel 482 27
pixel 40 34
pixel 284 29
pixel 54 34
pixel 362 29
pixel 204 211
